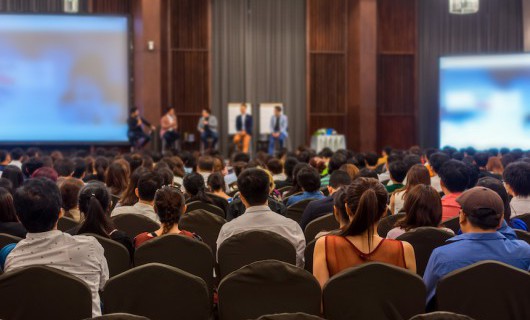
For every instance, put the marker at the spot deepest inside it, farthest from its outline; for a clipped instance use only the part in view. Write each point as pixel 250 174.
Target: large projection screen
pixel 63 79
pixel 485 101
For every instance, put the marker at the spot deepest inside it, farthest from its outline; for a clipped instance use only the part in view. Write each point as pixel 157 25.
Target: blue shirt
pixel 4 252
pixel 317 195
pixel 469 248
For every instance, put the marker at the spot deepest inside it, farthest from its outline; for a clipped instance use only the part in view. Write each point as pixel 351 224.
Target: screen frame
pixel 130 78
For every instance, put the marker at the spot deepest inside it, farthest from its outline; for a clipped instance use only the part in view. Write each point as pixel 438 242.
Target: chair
pixel 424 240
pixel 290 316
pixel 120 316
pixel 34 293
pixel 453 224
pixel 374 291
pixel 159 292
pixel 441 315
pixel 525 217
pixel 308 255
pixel 388 223
pixel 181 252
pixel 486 290
pixel 65 223
pixel 250 246
pixel 196 205
pixel 324 223
pixel 118 258
pixel 205 224
pixel 6 239
pixel 283 189
pixel 522 235
pixel 134 224
pixel 268 287
pixel 296 210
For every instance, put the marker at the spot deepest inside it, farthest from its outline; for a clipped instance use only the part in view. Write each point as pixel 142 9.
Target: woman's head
pixel 216 182
pixel 423 208
pixel 497 186
pixel 418 174
pixel 13 174
pixel 116 177
pixel 194 184
pixel 129 197
pixel 7 208
pixel 70 193
pixel 94 204
pixel 339 207
pixel 169 206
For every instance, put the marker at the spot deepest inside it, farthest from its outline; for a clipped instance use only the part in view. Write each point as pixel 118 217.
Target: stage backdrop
pixel 496 28
pixel 259 56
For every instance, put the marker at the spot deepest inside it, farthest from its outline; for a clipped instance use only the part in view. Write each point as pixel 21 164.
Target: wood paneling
pixel 109 6
pixel 190 81
pixel 398 130
pixel 396 87
pixel 327 83
pixel 189 24
pixel 326 20
pixel 397 26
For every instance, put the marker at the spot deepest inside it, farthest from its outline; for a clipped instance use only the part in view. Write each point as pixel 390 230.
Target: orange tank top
pixel 342 254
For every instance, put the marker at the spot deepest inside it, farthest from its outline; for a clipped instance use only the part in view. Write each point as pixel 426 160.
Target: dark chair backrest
pixel 486 290
pixel 113 201
pixel 65 223
pixel 308 255
pixel 119 316
pixel 196 205
pixel 424 240
pixel 523 235
pixel 453 224
pixel 441 315
pixel 296 210
pixel 251 246
pixel 324 223
pixel 34 293
pixel 290 316
pixel 118 258
pixel 159 292
pixel 283 189
pixel 525 217
pixel 268 287
pixel 207 225
pixel 134 224
pixel 388 223
pixel 6 239
pixel 374 291
pixel 181 252
pixel 324 191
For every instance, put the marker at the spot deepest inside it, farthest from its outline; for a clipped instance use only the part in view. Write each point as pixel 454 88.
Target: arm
pixel 410 258
pixel 284 124
pixel 213 122
pixel 300 245
pixel 320 267
pixel 200 125
pixel 392 203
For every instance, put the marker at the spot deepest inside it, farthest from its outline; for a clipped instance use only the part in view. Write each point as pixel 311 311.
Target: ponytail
pixel 94 202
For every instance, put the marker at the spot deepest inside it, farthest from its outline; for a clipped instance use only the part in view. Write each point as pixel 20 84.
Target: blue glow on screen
pixel 63 78
pixel 485 101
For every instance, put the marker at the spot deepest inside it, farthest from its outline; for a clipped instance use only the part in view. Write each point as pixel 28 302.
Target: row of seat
pixel 370 291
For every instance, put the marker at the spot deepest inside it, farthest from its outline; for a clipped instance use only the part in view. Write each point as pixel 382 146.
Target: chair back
pixel 207 225
pixel 268 287
pixel 181 252
pixel 290 316
pixel 118 258
pixel 325 191
pixel 158 291
pixel 65 223
pixel 296 210
pixel 324 223
pixel 374 291
pixel 441 315
pixel 308 255
pixel 387 223
pixel 522 235
pixel 35 292
pixel 486 290
pixel 251 246
pixel 525 217
pixel 424 240
pixel 134 224
pixel 453 224
pixel 196 205
pixel 119 316
pixel 6 239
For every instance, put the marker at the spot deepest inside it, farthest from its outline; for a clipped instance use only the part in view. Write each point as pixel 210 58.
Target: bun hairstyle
pixel 366 200
pixel 169 206
pixel 94 204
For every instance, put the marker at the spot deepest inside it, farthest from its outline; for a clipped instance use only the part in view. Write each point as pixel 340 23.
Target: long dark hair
pixel 116 177
pixel 129 197
pixel 366 199
pixel 194 185
pixel 13 174
pixel 417 174
pixel 169 206
pixel 7 208
pixel 94 204
pixel 423 208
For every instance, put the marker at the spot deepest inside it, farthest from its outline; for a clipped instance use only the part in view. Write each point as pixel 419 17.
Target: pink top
pixel 450 208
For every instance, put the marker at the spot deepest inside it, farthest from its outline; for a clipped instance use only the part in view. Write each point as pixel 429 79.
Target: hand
pixel 153 128
pixel 205 122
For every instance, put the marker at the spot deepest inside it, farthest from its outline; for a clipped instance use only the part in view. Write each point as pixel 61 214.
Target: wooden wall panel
pixel 326 21
pixel 328 85
pixel 398 130
pixel 44 6
pixel 190 81
pixel 189 24
pixel 397 26
pixel 396 87
pixel 110 6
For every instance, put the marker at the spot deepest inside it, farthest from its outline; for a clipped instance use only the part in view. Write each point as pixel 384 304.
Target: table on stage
pixel 334 142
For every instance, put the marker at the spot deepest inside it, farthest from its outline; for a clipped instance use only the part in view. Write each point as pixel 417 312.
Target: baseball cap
pixel 480 198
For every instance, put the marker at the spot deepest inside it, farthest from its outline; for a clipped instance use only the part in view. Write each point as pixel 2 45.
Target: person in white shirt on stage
pixel 168 128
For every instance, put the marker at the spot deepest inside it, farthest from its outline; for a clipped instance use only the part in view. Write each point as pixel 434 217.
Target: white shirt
pixel 519 206
pixel 16 163
pixel 435 183
pixel 279 177
pixel 139 208
pixel 80 256
pixel 399 201
pixel 263 218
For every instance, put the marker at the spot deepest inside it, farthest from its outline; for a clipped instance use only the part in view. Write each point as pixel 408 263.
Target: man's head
pixel 254 187
pixel 289 165
pixel 277 111
pixel 275 166
pixel 482 210
pixel 134 112
pixel 38 205
pixel 398 171
pixel 338 179
pixel 5 158
pixel 336 161
pixel 206 164
pixel 17 154
pixel 517 179
pixel 437 160
pixel 64 167
pixel 205 113
pixel 148 183
pixel 371 159
pixel 308 179
pixel 243 108
pixel 481 159
pixel 454 176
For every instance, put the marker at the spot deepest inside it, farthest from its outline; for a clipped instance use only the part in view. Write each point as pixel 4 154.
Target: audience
pixel 309 180
pixel 358 243
pixel 517 180
pixel 9 223
pixel 276 169
pixel 454 179
pixel 48 173
pixel 169 206
pixel 216 184
pixel 5 159
pixel 117 177
pixel 70 193
pixel 480 216
pixel 417 174
pixel 38 206
pixel 436 161
pixel 296 188
pixel 398 172
pixel 13 174
pixel 288 168
pixel 254 187
pixel 129 195
pixel 145 191
pixel 196 191
pixel 17 155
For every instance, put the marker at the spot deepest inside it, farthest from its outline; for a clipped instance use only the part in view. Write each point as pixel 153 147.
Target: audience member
pixel 276 169
pixel 17 155
pixel 5 159
pixel 417 174
pixel 309 181
pixel 216 184
pixel 13 174
pixel 70 194
pixel 454 176
pixel 9 223
pixel 296 188
pixel 117 178
pixel 64 167
pixel 254 187
pixel 196 191
pixel 7 184
pixel 205 167
pixel 288 167
pixel 495 166
pixel 436 161
pixel 517 180
pixel 129 197
pixel 398 172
